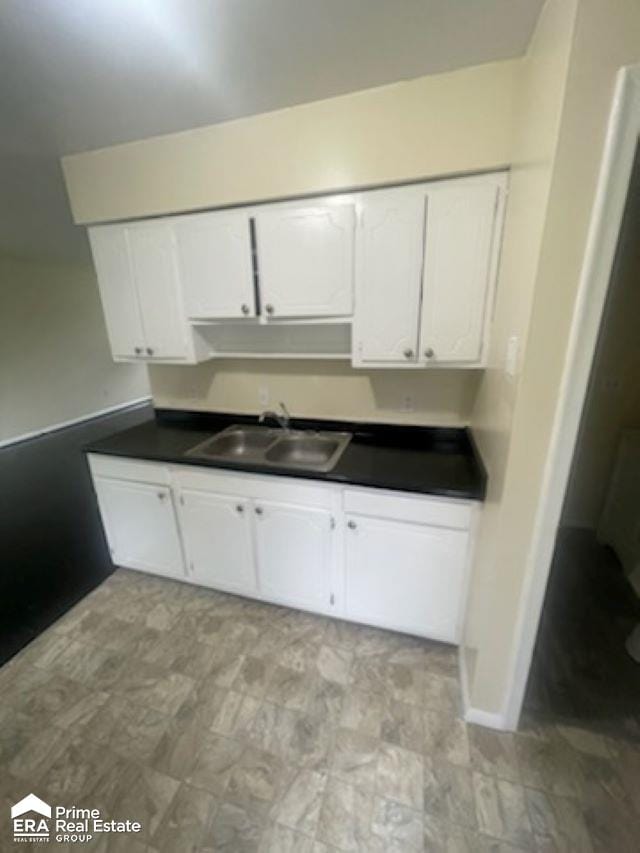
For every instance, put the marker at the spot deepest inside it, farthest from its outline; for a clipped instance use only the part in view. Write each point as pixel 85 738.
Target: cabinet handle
pixel 268 308
pixel 149 350
pixel 161 495
pixel 258 510
pixel 408 353
pixel 429 353
pixel 245 308
pixel 138 350
pixel 239 508
pixel 351 525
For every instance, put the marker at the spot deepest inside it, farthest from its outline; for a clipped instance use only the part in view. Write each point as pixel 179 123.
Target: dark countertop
pixel 431 460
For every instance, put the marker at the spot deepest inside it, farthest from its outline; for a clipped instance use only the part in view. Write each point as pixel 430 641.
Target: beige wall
pixel 55 363
pixel 613 398
pixel 536 132
pixel 606 36
pixel 444 123
pixel 328 389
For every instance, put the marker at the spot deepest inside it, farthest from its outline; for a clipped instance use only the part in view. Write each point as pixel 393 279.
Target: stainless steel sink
pixel 304 449
pixel 236 442
pixel 319 452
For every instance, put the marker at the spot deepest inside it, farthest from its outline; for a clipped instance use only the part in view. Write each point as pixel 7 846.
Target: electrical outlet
pixel 407 403
pixel 263 395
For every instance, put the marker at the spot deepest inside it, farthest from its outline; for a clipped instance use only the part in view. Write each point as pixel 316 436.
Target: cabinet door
pixel 141 527
pixel 457 270
pixel 216 272
pixel 389 277
pixel 117 290
pixel 216 531
pixel 293 548
pixel 305 261
pixel 408 577
pixel 155 274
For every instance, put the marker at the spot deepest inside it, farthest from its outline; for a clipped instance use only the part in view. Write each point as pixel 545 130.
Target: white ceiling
pixel 83 74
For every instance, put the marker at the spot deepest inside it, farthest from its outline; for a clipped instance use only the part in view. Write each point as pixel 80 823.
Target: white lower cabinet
pixel 216 533
pixel 391 559
pixel 404 576
pixel 140 524
pixel 293 552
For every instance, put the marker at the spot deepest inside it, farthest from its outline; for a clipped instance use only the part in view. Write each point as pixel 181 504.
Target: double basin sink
pixel 279 448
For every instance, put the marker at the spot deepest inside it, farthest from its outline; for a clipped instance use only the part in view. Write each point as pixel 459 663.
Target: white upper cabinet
pixel 458 271
pixel 306 260
pixel 117 291
pixel 140 290
pixel 411 270
pixel 156 278
pixel 389 275
pixel 214 261
pixel 427 264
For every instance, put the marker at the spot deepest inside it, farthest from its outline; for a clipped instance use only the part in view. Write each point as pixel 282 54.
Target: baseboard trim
pixel 464 678
pixel 130 404
pixel 488 719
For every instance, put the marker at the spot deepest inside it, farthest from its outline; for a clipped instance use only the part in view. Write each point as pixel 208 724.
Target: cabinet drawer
pixel 136 470
pixel 437 512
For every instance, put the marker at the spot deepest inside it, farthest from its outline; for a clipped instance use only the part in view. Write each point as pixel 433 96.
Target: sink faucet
pixel 283 419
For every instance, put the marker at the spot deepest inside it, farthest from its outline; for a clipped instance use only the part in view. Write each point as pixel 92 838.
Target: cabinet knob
pixel 138 350
pixel 258 510
pixel 408 353
pixel 239 508
pixel 268 308
pixel 149 350
pixel 162 495
pixel 351 525
pixel 429 353
pixel 245 308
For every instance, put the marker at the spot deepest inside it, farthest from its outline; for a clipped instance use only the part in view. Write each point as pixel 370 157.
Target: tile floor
pixel 224 724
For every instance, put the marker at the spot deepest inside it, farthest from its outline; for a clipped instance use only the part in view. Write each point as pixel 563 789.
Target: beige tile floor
pixel 224 724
